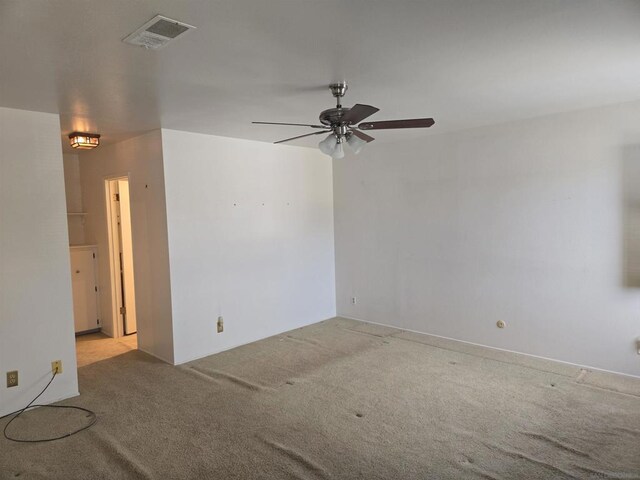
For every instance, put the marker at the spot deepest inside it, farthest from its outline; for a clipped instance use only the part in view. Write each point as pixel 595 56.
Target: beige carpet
pixel 340 400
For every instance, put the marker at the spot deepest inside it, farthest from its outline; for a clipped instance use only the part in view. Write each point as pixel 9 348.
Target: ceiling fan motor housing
pixel 333 116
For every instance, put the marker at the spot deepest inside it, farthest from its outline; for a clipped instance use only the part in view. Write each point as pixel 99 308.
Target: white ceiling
pixel 464 62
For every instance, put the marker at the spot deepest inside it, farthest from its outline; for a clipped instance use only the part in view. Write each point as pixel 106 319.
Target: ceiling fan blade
pixel 362 136
pixel 357 113
pixel 300 136
pixel 412 123
pixel 292 124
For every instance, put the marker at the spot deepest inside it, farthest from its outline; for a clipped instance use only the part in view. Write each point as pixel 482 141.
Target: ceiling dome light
pixel 84 141
pixel 328 145
pixel 356 143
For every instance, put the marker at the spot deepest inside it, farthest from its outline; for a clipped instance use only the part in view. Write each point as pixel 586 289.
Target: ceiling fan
pixel 340 124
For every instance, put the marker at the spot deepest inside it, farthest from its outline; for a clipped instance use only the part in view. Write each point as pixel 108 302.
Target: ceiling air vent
pixel 157 32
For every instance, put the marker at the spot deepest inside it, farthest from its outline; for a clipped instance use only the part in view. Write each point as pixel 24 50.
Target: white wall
pixel 73 191
pixel 141 158
pixel 250 238
pixel 535 223
pixel 36 312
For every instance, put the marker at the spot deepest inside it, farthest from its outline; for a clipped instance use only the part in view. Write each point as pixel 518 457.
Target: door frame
pixel 115 279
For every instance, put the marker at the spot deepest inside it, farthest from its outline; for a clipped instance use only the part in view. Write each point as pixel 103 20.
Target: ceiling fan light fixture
pixel 328 145
pixel 338 152
pixel 356 143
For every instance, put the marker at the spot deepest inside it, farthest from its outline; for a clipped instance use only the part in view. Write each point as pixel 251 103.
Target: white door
pixel 85 296
pixel 130 324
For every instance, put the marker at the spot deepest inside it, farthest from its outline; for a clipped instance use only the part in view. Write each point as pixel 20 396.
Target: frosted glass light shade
pixel 338 152
pixel 328 145
pixel 356 143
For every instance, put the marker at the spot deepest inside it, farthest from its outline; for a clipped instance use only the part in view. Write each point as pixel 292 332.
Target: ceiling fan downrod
pixel 338 90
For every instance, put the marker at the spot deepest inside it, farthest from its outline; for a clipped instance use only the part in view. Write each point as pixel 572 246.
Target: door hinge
pixel 116 197
pixel 95 288
pixel 123 310
pixel 94 255
pixel 98 321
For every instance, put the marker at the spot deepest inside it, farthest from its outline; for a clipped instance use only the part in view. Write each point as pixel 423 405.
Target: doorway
pixel 93 276
pixel 121 255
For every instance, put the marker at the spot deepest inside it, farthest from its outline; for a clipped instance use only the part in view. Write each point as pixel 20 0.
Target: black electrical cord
pixel 31 404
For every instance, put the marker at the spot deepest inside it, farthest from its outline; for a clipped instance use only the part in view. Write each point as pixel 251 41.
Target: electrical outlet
pixel 12 379
pixel 354 300
pixel 220 325
pixel 56 367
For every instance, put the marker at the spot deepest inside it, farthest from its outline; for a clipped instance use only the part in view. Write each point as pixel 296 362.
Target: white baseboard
pixel 587 367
